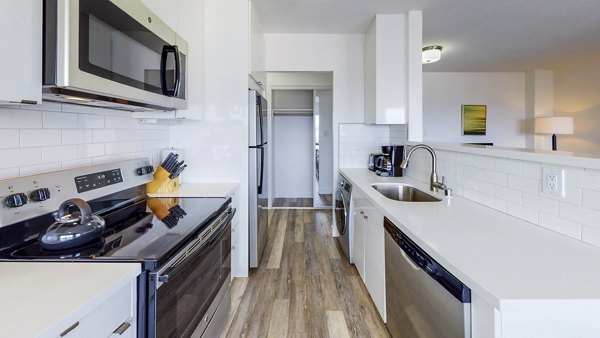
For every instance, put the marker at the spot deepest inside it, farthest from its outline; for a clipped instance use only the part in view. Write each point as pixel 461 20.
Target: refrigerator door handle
pixel 262 169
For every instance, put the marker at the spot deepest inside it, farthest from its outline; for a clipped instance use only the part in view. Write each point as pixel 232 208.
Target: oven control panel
pixel 26 197
pixel 98 180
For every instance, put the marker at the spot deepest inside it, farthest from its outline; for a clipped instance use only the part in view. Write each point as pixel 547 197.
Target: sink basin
pixel 403 192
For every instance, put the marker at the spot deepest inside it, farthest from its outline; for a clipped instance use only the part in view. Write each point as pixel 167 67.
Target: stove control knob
pixel 40 195
pixel 145 170
pixel 15 200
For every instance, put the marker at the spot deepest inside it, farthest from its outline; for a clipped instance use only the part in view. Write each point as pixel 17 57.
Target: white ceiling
pixel 477 35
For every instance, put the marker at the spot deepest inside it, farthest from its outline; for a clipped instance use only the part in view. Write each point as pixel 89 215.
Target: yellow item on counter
pixel 162 184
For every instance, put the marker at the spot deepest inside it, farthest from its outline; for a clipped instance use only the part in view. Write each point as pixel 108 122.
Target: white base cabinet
pixel 115 317
pixel 368 250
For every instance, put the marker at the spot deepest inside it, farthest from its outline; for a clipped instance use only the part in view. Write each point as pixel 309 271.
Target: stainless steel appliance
pixel 422 298
pixel 390 164
pixel 343 217
pixel 373 159
pixel 182 244
pixel 112 53
pixel 258 191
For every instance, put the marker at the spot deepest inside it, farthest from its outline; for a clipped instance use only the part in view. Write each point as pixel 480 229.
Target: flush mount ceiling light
pixel 432 54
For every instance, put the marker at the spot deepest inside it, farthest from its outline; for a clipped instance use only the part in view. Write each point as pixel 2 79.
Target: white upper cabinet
pixel 21 52
pixel 393 68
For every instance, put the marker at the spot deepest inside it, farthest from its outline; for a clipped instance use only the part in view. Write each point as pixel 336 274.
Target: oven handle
pixel 165 275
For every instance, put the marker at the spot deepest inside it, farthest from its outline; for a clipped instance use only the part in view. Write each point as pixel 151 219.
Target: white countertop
pixel 223 189
pixel 37 296
pixel 500 257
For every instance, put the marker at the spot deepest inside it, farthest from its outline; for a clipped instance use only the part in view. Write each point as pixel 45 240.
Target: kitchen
pixel 50 137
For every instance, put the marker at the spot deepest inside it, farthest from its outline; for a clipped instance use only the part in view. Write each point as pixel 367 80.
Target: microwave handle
pixel 167 49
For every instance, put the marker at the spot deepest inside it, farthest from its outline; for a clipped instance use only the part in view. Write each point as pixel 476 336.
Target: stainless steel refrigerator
pixel 258 197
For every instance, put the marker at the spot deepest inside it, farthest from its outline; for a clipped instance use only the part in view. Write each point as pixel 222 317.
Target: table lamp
pixel 554 125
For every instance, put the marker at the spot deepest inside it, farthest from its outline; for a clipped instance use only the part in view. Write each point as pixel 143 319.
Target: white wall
pixel 577 94
pixel 55 136
pixel 341 54
pixel 292 156
pixel 503 93
pixel 216 149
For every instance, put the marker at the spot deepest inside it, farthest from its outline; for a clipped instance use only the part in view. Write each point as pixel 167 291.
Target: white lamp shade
pixel 431 54
pixel 554 125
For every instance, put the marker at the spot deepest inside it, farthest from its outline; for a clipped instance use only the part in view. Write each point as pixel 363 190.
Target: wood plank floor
pixel 323 200
pixel 304 286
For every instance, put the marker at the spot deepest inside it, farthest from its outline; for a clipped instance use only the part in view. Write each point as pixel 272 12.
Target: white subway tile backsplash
pixel 519 211
pixel 77 136
pixel 76 108
pixel 532 170
pixel 540 203
pixel 40 137
pixel 18 118
pixel 560 225
pixel 523 184
pixel 591 177
pixel 579 214
pixel 90 150
pixel 495 177
pixel 591 199
pixel 104 135
pixel 12 158
pixel 59 120
pixel 9 173
pixel 572 195
pixel 483 162
pixel 40 168
pixel 508 166
pixel 508 194
pixel 494 203
pixel 77 163
pixel 59 153
pixel 88 121
pixel 9 138
pixel 514 187
pixel 54 136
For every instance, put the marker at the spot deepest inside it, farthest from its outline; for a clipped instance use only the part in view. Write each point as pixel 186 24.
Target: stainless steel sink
pixel 403 192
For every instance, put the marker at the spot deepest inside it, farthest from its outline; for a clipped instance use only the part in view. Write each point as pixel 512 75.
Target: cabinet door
pixel 117 314
pixel 358 251
pixel 375 258
pixel 21 53
pixel 358 242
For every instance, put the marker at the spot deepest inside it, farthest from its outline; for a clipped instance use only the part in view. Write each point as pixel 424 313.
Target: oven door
pixel 186 288
pixel 116 48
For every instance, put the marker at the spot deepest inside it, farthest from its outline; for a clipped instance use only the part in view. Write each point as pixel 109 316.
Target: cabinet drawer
pixel 107 317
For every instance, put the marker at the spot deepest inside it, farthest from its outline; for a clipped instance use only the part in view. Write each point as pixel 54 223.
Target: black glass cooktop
pixel 149 229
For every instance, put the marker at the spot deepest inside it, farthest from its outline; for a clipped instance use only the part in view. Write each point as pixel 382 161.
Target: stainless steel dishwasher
pixel 423 299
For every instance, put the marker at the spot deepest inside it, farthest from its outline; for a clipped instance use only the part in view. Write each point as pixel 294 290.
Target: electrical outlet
pixel 553 181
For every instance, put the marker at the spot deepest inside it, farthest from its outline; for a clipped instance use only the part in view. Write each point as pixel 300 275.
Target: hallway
pixel 304 286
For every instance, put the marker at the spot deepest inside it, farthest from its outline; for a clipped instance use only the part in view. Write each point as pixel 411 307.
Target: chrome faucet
pixel 434 185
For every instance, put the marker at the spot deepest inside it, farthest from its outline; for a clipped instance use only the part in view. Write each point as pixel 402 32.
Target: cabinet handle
pixel 122 328
pixel 233 248
pixel 366 217
pixel 69 329
pixel 362 212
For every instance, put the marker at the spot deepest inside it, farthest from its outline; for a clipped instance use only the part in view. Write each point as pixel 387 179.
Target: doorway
pixel 302 141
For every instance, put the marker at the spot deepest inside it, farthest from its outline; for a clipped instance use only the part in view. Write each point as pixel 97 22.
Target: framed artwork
pixel 474 119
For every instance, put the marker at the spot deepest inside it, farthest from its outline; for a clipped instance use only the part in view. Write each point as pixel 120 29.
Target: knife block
pixel 162 184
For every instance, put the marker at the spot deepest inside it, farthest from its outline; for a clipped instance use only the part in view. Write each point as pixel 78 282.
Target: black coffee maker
pixel 395 155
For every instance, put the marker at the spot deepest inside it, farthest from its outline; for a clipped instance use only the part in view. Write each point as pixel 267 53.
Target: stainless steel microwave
pixel 114 54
